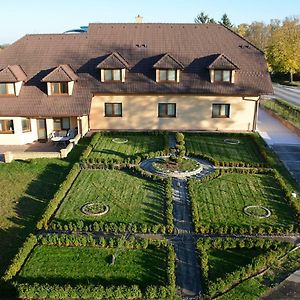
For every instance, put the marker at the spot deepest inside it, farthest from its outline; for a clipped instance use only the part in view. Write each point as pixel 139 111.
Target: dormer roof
pixel 222 62
pixel 113 61
pixel 13 73
pixel 167 61
pixel 62 73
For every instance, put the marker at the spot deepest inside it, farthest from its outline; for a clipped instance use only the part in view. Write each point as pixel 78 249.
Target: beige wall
pixel 193 113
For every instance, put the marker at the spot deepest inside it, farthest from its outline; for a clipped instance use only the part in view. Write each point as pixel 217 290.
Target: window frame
pixel 113 114
pixel 6 126
pixel 167 75
pixel 60 83
pixel 222 76
pixel 112 75
pixel 166 115
pixel 219 116
pixel 60 121
pixel 6 88
pixel 28 129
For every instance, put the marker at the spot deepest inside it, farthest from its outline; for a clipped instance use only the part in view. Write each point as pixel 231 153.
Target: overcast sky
pixel 19 17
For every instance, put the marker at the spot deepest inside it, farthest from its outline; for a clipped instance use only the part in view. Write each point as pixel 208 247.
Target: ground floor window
pixel 221 110
pixel 61 124
pixel 6 126
pixel 166 110
pixel 113 109
pixel 26 125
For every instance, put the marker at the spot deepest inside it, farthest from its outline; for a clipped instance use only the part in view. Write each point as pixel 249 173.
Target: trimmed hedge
pixel 224 229
pixel 274 250
pixel 58 197
pixel 20 258
pixel 56 291
pixel 90 147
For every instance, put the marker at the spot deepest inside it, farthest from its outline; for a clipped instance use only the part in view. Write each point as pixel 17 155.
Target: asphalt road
pixel 289 93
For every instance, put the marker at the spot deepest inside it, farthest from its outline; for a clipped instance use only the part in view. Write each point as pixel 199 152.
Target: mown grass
pixel 131 199
pixel 26 188
pixel 213 145
pixel 139 143
pixel 226 261
pixel 222 200
pixel 85 265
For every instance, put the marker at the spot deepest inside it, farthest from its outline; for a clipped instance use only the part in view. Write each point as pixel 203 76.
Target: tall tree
pixel 226 21
pixel 284 50
pixel 203 19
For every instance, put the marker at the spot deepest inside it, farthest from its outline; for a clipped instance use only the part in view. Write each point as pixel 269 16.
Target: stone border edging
pixel 267 215
pixel 232 141
pixel 120 141
pixel 106 209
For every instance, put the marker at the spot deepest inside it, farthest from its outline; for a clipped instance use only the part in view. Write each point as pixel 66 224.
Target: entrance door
pixel 41 127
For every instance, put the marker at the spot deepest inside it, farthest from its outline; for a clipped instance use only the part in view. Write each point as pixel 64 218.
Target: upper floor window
pixel 166 110
pixel 112 75
pixel 6 126
pixel 59 88
pixel 222 76
pixel 26 125
pixel 113 109
pixel 167 75
pixel 221 110
pixel 7 89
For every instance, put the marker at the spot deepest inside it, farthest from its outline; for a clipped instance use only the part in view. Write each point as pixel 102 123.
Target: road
pixel 289 93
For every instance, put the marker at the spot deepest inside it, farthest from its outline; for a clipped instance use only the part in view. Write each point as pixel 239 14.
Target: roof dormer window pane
pixel 59 88
pixel 172 75
pixel 112 75
pixel 167 75
pixel 162 75
pixel 226 75
pixel 7 89
pixel 222 75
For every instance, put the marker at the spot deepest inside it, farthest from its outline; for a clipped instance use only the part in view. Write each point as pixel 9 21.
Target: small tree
pixel 226 21
pixel 202 18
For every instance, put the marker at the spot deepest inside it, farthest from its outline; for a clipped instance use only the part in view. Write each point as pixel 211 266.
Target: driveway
pixel 285 143
pixel 288 93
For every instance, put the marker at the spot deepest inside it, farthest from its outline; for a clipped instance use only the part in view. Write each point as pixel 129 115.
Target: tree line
pixel 279 39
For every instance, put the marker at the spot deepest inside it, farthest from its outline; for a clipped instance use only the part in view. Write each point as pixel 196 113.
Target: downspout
pixel 255 117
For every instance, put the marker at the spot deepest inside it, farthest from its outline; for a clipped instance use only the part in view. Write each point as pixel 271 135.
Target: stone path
pixel 187 271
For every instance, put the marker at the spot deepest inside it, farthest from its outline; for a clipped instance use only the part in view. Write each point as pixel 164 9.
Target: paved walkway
pixel 285 143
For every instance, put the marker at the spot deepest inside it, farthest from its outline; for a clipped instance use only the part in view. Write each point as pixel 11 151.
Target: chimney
pixel 138 19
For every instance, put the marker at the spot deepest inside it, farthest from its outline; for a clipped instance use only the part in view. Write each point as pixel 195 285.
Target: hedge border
pixel 56 291
pixel 274 249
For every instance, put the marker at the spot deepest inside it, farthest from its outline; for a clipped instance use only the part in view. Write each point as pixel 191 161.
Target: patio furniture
pixel 58 139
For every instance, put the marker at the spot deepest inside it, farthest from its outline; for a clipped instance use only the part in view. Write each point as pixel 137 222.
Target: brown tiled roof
pixel 167 61
pixel 62 73
pixel 195 46
pixel 12 73
pixel 113 61
pixel 222 62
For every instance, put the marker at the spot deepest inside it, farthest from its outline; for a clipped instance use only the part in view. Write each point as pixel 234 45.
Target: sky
pixel 20 17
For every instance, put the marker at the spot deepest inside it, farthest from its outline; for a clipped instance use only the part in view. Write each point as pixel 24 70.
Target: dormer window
pixel 112 75
pixel 222 69
pixel 60 81
pixel 168 69
pixel 222 75
pixel 7 89
pixel 112 68
pixel 167 75
pixel 59 88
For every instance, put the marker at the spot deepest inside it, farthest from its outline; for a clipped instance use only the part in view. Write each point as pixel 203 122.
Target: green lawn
pixel 26 188
pixel 221 201
pixel 85 265
pixel 226 261
pixel 138 144
pixel 213 145
pixel 131 199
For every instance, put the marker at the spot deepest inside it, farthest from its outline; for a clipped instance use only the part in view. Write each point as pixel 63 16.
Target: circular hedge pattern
pixel 95 209
pixel 257 211
pixel 119 140
pixel 231 141
pixel 167 165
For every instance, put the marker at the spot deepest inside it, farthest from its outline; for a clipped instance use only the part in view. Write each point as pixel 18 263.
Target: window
pixel 113 109
pixel 112 75
pixel 6 126
pixel 61 124
pixel 222 75
pixel 167 75
pixel 221 110
pixel 167 110
pixel 26 125
pixel 7 89
pixel 59 88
